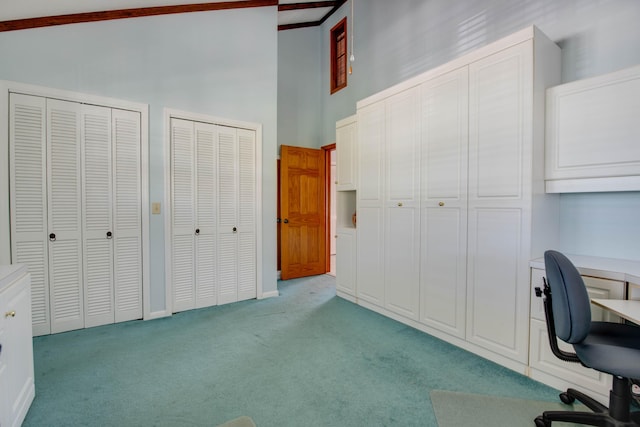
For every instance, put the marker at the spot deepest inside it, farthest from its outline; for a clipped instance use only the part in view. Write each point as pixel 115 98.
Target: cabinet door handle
pixel 441 204
pixel 109 234
pixel 52 237
pixel 11 313
pixel 197 231
pixel 235 229
pixel 399 204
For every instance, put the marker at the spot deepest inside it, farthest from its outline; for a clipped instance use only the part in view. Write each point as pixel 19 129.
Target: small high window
pixel 339 56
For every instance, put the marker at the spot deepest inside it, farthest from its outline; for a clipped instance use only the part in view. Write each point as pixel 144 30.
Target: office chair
pixel 612 348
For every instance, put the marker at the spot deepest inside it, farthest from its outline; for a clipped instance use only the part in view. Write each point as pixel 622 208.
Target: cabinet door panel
pixel 97 218
pixel 371 135
pixel 346 161
pixel 444 123
pixel 497 310
pixel 206 215
pixel 500 99
pixel 346 262
pixel 65 215
pixel 183 199
pixel 443 269
pixel 247 261
pixel 28 193
pixel 401 257
pixel 127 208
pixel 402 147
pixel 370 269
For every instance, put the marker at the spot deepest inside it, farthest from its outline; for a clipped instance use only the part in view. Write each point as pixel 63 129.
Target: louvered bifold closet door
pixel 28 199
pixel 65 215
pixel 205 241
pixel 98 217
pixel 247 282
pixel 227 214
pixel 183 219
pixel 127 211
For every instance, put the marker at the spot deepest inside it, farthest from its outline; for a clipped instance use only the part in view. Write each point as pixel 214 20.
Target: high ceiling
pixel 20 14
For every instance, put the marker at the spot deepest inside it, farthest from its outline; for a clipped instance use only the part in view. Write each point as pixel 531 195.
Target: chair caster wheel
pixel 566 398
pixel 540 422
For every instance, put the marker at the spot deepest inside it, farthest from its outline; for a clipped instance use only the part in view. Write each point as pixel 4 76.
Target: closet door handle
pixel 197 231
pixel 109 235
pixel 235 229
pixel 286 221
pixel 52 237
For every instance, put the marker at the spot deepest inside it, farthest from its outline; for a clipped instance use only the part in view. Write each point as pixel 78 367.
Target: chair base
pixel 617 415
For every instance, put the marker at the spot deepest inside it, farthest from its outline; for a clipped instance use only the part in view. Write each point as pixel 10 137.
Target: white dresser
pixel 17 388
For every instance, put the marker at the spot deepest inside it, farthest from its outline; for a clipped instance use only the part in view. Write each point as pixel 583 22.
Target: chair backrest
pixel 571 305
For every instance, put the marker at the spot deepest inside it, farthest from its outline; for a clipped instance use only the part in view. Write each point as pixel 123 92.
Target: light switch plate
pixel 155 207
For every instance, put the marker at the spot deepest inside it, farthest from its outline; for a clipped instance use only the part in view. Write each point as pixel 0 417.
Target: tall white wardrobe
pixel 214 217
pixel 450 196
pixel 76 210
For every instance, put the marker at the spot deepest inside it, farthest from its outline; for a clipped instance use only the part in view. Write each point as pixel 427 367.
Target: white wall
pixel 395 40
pixel 220 63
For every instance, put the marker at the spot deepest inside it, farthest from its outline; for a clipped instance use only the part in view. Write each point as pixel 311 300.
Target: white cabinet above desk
pixel 593 134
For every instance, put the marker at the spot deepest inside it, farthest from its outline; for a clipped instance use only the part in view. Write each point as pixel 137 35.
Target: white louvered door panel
pixel 227 215
pixel 247 282
pixel 182 203
pixel 28 200
pixel 64 215
pixel 97 218
pixel 205 241
pixel 127 212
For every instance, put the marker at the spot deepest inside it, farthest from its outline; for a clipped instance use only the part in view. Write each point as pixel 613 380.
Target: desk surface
pixel 627 309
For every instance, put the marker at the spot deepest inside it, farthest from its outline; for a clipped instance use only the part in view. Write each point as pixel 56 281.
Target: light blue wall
pixel 221 63
pixel 299 87
pixel 395 40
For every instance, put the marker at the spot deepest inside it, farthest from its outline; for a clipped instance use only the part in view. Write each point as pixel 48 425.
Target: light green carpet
pixel 455 409
pixel 306 358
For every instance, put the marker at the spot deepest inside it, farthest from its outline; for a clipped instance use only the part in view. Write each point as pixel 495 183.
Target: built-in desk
pixel 627 309
pixel 606 279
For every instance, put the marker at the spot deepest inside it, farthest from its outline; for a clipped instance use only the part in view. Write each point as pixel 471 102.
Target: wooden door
pixel 302 209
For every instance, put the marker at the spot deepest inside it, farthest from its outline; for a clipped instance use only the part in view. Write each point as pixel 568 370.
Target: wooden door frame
pixel 327 201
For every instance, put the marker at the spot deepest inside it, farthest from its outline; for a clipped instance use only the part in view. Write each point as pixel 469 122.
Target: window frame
pixel 338 68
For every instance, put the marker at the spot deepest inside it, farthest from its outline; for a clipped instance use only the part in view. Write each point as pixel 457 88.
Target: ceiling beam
pixel 74 18
pixel 308 5
pixel 336 5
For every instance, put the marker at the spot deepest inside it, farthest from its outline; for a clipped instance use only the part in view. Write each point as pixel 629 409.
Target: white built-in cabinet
pixel 450 196
pixel 76 210
pixel 346 231
pixel 17 388
pixel 213 217
pixel 592 134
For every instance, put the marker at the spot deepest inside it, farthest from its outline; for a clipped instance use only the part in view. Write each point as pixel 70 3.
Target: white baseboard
pixel 157 315
pixel 270 294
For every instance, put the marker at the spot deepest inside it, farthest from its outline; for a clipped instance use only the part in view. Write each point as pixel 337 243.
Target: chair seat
pixel 613 348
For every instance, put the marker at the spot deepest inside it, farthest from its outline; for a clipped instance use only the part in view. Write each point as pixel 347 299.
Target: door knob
pixel 52 237
pixel 11 313
pixel 109 235
pixel 286 221
pixel 400 204
pixel 441 204
pixel 197 231
pixel 235 229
